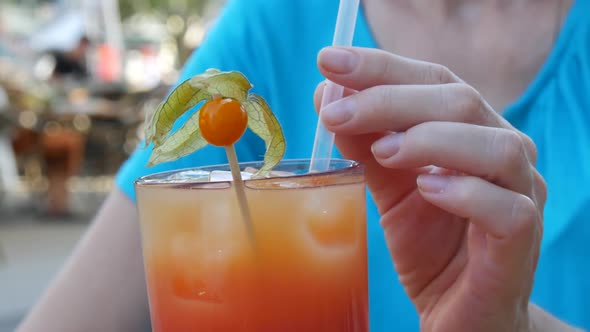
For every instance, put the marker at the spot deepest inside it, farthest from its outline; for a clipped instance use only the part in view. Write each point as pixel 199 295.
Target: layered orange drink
pixel 305 271
pixel 253 247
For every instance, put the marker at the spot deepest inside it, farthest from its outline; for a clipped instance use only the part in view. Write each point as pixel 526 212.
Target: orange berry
pixel 223 121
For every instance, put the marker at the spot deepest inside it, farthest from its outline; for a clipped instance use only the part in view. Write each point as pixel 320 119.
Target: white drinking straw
pixel 343 34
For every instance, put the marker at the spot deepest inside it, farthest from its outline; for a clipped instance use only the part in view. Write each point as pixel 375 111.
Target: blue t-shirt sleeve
pixel 225 48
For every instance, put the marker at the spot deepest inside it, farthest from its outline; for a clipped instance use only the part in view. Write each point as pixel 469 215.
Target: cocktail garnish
pixel 219 122
pixel 229 108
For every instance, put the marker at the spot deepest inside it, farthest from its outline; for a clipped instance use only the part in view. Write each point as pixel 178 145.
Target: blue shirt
pixel 275 44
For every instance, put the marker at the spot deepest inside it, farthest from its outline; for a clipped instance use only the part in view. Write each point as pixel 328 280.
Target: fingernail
pixel 435 184
pixel 338 60
pixel 338 112
pixel 388 146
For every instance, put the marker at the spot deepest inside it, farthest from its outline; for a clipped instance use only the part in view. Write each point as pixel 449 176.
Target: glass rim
pixel 152 179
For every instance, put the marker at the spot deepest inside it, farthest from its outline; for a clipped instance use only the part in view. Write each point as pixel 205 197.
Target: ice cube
pixel 271 174
pixel 187 176
pixel 279 174
pixel 289 184
pixel 251 170
pixel 222 176
pixel 330 223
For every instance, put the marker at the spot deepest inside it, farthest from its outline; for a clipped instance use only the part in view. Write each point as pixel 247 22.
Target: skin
pixel 106 267
pixel 464 234
pixel 468 36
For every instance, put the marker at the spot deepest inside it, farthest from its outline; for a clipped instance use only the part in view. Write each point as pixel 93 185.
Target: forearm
pixel 102 286
pixel 541 321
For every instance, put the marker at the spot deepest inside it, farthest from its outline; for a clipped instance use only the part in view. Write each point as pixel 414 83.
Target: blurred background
pixel 76 78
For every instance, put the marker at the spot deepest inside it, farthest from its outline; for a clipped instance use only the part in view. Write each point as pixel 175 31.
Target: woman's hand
pixel 455 183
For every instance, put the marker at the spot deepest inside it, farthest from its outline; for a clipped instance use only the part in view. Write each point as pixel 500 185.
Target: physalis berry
pixel 223 121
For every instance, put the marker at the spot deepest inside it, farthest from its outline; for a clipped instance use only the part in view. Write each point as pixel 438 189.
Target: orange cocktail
pixel 305 270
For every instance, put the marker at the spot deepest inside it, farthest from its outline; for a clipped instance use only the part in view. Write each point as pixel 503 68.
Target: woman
pixel 465 233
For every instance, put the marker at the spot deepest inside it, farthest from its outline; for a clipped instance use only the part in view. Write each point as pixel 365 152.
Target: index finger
pixel 361 68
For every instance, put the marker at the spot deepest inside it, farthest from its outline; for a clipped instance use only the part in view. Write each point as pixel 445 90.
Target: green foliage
pixel 177 7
